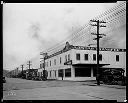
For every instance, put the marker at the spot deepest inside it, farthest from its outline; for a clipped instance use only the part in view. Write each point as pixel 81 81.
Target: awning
pixel 89 65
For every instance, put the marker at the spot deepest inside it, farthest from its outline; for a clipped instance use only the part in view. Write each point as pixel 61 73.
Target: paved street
pixel 20 89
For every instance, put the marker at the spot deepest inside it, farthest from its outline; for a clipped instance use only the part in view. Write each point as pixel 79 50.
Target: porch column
pixel 57 74
pixel 72 72
pixel 63 74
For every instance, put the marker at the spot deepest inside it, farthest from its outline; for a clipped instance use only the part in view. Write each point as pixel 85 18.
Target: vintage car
pixel 113 76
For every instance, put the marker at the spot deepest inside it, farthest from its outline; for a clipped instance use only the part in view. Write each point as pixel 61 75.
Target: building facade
pixel 79 62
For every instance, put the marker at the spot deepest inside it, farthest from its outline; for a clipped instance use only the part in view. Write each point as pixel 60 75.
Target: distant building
pixel 79 62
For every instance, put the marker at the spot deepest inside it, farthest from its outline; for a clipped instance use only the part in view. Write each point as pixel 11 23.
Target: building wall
pixel 113 63
pixel 56 66
pixel 108 57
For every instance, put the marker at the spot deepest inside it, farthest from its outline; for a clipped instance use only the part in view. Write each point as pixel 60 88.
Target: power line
pixel 76 34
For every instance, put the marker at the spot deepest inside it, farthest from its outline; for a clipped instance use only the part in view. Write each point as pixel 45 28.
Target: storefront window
pixel 68 72
pixel 55 73
pixel 60 72
pixel 83 72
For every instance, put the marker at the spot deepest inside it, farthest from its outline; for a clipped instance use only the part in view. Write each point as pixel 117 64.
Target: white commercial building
pixel 79 62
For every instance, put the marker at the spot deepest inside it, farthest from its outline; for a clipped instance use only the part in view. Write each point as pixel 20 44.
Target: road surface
pixel 21 89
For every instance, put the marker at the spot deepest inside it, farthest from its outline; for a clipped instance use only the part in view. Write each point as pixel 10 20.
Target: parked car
pixel 4 81
pixel 113 76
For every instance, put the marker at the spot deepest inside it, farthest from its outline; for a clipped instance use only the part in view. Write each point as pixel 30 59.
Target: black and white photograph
pixel 64 51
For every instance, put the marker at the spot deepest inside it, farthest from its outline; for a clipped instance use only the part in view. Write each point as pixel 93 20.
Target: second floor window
pixel 60 60
pixel 100 57
pixel 117 57
pixel 50 63
pixel 54 61
pixel 94 57
pixel 77 56
pixel 65 58
pixel 68 57
pixel 86 56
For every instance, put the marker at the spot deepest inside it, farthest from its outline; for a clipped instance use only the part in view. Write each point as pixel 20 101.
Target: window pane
pixel 68 72
pixel 60 72
pixel 82 72
pixel 100 57
pixel 65 58
pixel 68 56
pixel 94 57
pixel 60 60
pixel 50 63
pixel 117 57
pixel 54 61
pixel 86 56
pixel 77 56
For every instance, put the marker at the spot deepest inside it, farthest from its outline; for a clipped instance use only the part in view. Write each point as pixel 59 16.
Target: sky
pixel 29 29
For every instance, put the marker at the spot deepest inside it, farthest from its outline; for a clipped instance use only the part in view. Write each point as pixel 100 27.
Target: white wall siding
pixel 108 57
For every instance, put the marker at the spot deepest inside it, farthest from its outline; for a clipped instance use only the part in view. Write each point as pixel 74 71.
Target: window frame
pixel 77 56
pixel 60 60
pixel 68 57
pixel 86 57
pixel 100 57
pixel 94 57
pixel 54 61
pixel 117 58
pixel 50 63
pixel 68 72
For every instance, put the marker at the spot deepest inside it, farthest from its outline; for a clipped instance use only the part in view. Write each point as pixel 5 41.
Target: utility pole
pixel 98 37
pixel 17 71
pixel 29 64
pixel 22 66
pixel 44 57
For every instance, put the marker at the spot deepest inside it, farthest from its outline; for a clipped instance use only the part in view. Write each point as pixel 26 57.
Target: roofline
pixel 70 47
